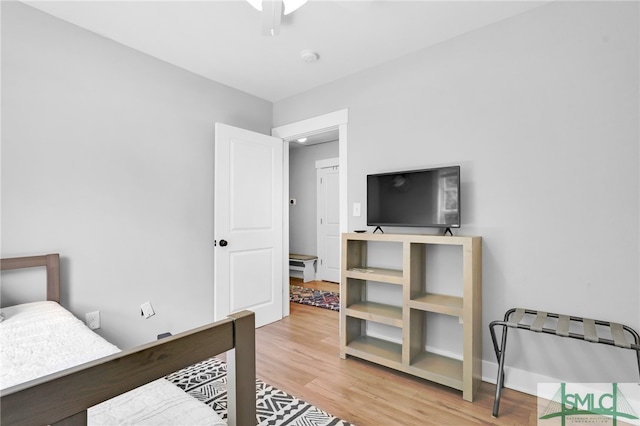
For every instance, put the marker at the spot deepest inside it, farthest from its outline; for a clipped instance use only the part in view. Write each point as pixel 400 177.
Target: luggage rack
pixel 515 318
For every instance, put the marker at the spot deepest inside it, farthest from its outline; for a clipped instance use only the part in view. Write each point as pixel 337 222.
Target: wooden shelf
pixel 377 312
pixel 389 276
pixel 437 368
pixel 438 303
pixel 409 314
pixel 376 350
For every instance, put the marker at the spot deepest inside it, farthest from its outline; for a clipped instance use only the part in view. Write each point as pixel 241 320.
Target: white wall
pixel 302 186
pixel 107 158
pixel 541 111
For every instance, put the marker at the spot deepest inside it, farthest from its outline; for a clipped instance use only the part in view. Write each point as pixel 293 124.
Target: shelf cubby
pixel 357 343
pixel 438 368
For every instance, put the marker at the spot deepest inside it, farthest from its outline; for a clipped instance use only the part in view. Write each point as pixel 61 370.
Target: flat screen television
pixel 420 198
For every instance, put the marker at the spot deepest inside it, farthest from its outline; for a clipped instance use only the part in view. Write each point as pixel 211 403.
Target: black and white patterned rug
pixel 207 382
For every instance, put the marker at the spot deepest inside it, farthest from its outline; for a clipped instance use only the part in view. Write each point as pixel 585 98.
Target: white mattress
pixel 156 403
pixel 40 338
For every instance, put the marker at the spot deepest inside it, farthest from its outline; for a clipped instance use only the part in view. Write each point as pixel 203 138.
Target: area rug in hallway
pixel 313 297
pixel 207 382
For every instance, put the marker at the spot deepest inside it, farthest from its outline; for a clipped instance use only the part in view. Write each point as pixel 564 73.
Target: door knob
pixel 223 243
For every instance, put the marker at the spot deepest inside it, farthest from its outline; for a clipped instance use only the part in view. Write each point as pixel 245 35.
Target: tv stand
pixel 377 227
pixel 417 305
pixel 448 231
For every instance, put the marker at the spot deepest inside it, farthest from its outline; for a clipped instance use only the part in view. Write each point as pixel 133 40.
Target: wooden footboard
pixel 63 398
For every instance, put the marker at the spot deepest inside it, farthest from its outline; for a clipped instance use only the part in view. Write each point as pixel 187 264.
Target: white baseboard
pixel 516 379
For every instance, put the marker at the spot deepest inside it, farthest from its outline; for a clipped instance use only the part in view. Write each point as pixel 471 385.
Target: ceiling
pixel 222 40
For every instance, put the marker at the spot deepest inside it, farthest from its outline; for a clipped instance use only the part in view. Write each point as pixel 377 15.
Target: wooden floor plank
pixel 300 355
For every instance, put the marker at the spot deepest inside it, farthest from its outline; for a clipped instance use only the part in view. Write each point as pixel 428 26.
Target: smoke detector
pixel 309 56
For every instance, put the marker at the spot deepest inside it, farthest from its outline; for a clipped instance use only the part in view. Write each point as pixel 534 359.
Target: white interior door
pixel 328 190
pixel 248 224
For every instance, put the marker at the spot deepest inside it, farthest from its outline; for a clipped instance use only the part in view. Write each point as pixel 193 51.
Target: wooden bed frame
pixel 63 398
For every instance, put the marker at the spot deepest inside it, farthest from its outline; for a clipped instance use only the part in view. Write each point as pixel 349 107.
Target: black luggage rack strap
pixel 515 318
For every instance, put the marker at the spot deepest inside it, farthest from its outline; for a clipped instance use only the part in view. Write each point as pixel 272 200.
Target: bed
pixel 99 384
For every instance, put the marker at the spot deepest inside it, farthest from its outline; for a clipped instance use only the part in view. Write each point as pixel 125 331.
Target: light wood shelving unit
pixel 411 313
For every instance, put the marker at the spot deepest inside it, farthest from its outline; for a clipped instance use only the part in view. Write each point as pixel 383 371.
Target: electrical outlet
pixel 92 319
pixel 146 310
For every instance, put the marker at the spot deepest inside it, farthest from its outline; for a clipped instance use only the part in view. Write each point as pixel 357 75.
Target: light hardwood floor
pixel 300 355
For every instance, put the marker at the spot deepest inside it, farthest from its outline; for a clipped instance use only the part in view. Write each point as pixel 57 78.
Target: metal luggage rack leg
pixel 514 317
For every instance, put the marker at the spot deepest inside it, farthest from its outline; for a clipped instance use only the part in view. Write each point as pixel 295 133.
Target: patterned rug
pixel 207 382
pixel 313 297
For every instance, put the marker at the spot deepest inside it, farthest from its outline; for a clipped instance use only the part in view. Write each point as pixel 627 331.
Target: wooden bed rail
pixel 62 398
pixel 50 261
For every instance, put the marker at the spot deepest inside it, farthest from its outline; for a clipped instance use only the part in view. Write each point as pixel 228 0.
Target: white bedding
pixel 156 403
pixel 40 338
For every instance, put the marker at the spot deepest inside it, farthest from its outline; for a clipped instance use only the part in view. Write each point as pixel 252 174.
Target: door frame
pixel 311 126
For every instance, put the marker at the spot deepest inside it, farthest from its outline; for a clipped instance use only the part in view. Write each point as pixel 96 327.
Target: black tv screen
pixel 425 198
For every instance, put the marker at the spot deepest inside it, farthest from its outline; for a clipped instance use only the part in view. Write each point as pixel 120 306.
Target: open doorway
pixel 314 208
pixel 335 121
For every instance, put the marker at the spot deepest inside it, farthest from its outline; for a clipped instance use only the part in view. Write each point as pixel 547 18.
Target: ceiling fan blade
pixel 292 5
pixel 256 3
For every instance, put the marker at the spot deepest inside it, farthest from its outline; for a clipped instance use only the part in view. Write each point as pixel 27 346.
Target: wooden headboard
pixel 50 261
